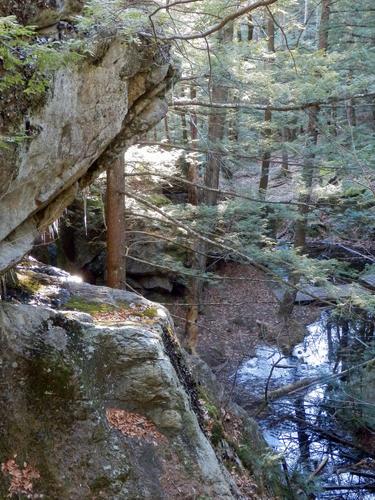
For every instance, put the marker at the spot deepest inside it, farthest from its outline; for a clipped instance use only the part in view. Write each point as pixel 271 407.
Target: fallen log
pixel 287 390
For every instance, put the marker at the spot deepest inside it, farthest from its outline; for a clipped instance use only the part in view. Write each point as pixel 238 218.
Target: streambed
pixel 306 427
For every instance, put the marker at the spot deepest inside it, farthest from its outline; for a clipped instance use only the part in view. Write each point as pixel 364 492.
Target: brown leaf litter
pixel 21 479
pixel 134 425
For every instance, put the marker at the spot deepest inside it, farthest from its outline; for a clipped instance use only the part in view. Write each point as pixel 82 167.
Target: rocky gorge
pixel 97 397
pixel 234 356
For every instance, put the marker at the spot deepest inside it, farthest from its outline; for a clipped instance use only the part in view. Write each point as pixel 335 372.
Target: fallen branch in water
pixel 304 383
pixel 327 434
pixel 292 388
pixel 318 469
pixel 285 391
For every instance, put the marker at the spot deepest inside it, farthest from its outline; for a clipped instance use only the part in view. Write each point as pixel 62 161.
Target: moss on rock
pixel 82 305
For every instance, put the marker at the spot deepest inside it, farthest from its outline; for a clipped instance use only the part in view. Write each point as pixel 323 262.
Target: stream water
pixel 304 427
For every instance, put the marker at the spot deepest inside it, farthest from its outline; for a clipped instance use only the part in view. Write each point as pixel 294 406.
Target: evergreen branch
pixel 177 223
pixel 165 238
pixel 219 191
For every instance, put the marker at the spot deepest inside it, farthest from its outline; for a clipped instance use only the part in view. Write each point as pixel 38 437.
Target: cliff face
pixel 91 112
pixel 96 400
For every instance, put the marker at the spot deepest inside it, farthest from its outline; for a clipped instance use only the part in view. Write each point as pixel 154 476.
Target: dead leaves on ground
pixel 21 479
pixel 134 425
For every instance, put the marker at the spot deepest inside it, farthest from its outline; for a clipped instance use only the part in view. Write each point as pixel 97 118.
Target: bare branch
pixel 248 7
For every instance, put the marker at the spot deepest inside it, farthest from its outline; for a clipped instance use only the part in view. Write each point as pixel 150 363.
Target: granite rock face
pixel 98 405
pixel 92 111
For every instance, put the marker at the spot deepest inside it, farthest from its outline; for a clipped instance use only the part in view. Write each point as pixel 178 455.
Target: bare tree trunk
pixel 323 27
pixel 306 12
pixel 334 118
pixel 239 33
pixel 233 122
pixel 198 265
pixel 350 111
pixel 300 229
pixel 166 128
pixel 115 212
pixel 250 28
pixel 216 129
pixel 308 174
pixel 270 34
pixel 184 129
pixel 191 166
pixel 266 160
pixel 193 116
pixel 285 156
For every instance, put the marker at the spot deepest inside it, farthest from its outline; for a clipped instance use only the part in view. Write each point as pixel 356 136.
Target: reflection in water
pixel 304 428
pixel 303 436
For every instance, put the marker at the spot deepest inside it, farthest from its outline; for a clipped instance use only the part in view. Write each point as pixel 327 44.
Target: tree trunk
pixel 334 118
pixel 250 28
pixel 300 230
pixel 193 116
pixel 350 109
pixel 285 155
pixel 184 129
pixel 324 25
pixel 115 212
pixel 308 174
pixel 193 177
pixel 266 160
pixel 270 34
pixel 306 12
pixel 166 129
pixel 198 265
pixel 233 122
pixel 216 129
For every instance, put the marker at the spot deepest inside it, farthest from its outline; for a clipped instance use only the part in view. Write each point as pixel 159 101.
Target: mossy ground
pixel 159 200
pixel 28 283
pixel 79 304
pixel 107 312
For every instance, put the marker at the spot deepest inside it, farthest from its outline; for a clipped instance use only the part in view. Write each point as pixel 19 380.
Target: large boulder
pixel 96 399
pixel 92 111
